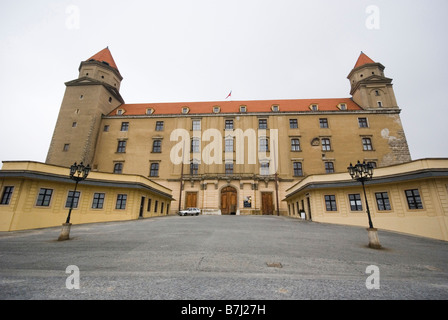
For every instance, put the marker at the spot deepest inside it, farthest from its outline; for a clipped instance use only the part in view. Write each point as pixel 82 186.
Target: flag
pixel 230 93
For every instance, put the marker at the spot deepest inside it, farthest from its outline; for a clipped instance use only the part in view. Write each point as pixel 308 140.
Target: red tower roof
pixel 362 60
pixel 104 56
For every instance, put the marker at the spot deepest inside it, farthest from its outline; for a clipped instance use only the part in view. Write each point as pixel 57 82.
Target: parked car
pixel 190 212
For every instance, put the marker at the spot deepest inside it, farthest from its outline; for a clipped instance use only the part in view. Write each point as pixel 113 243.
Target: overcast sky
pixel 199 50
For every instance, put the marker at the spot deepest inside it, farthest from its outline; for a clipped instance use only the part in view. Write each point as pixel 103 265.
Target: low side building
pixel 36 195
pixel 410 198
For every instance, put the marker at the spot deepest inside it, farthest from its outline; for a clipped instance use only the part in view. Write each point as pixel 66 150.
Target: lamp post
pixel 78 172
pixel 362 172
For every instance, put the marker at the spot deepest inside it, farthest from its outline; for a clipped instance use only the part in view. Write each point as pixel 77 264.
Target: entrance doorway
pixel 228 200
pixel 267 205
pixel 191 200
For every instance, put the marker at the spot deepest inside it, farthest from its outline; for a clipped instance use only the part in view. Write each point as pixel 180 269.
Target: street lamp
pixel 78 172
pixel 362 172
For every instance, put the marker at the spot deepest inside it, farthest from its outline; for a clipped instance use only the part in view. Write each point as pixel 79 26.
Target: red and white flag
pixel 230 93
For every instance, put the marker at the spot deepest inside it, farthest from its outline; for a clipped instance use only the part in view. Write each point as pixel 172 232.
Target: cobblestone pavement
pixel 220 258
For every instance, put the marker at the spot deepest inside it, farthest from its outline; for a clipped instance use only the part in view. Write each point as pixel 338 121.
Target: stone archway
pixel 229 200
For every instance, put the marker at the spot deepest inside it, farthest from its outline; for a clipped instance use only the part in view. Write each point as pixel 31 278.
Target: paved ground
pixel 220 258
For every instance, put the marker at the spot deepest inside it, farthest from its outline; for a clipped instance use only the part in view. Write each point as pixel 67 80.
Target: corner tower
pixel 94 93
pixel 369 87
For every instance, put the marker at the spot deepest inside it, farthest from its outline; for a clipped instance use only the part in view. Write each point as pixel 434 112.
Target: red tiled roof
pixel 362 60
pixel 234 106
pixel 106 56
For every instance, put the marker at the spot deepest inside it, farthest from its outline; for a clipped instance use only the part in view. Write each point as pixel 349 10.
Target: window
pixel 372 164
pixel 329 167
pixel 66 147
pixel 295 144
pixel 314 107
pixel 297 167
pixel 119 112
pixel 293 124
pixel 367 144
pixel 229 168
pixel 121 148
pixel 342 106
pixel 194 168
pixel 7 194
pixel 228 145
pixel 154 170
pixel 72 196
pixel 275 108
pixel 118 167
pixel 263 144
pixel 326 146
pixel 382 201
pixel 355 202
pixel 106 128
pixel 262 123
pixel 377 93
pixel 157 146
pixel 121 201
pixel 124 126
pixel 159 126
pixel 330 203
pixel 98 200
pixel 323 122
pixel 229 125
pixel 44 197
pixel 363 123
pixel 161 207
pixel 216 109
pixel 196 125
pixel 380 104
pixel 243 108
pixel 156 205
pixel 74 124
pixel 149 111
pixel 264 168
pixel 413 198
pixel 195 145
pixel 149 205
pixel 185 110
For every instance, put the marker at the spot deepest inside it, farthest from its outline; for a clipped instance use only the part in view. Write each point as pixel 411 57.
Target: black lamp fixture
pixel 362 172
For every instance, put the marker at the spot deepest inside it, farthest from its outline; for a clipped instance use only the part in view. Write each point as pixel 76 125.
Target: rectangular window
pixel 329 167
pixel 98 200
pixel 326 146
pixel 157 146
pixel 229 125
pixel 293 124
pixel 159 126
pixel 106 128
pixel 297 167
pixel 323 122
pixel 195 145
pixel 355 202
pixel 194 168
pixel 149 205
pixel 363 123
pixel 382 201
pixel 161 207
pixel 367 144
pixel 121 148
pixel 229 168
pixel 124 126
pixel 196 125
pixel 156 205
pixel 154 171
pixel 264 168
pixel 121 201
pixel 330 203
pixel 262 123
pixel 66 147
pixel 229 145
pixel 263 144
pixel 7 194
pixel 413 198
pixel 118 167
pixel 44 197
pixel 72 197
pixel 295 144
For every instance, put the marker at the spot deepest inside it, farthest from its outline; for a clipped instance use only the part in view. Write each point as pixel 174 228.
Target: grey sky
pixel 199 50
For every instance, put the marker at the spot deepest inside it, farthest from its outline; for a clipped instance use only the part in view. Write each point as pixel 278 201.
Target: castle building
pixel 227 157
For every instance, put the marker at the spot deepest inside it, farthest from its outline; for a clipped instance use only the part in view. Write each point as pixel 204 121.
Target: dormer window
pixel 216 109
pixel 185 110
pixel 149 111
pixel 243 108
pixel 314 107
pixel 275 108
pixel 120 112
pixel 342 106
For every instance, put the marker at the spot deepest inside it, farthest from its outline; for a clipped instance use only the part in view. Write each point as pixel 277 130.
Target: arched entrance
pixel 228 200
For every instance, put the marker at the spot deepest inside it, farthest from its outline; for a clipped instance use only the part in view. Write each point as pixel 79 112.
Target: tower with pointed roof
pixel 370 88
pixel 93 94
